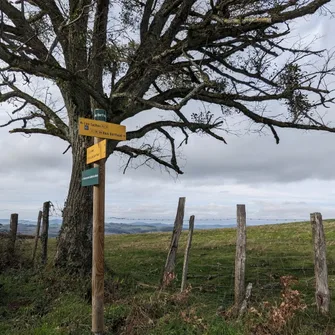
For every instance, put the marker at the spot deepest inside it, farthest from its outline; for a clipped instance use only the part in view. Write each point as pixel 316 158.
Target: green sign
pixel 90 177
pixel 100 114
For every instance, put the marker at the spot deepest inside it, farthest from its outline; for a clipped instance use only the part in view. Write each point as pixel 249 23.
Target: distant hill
pixel 56 221
pixel 28 227
pixel 135 228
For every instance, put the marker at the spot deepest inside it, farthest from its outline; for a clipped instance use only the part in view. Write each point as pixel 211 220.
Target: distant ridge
pixel 28 227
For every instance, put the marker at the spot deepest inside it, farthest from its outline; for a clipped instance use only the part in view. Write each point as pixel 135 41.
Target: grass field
pixel 47 301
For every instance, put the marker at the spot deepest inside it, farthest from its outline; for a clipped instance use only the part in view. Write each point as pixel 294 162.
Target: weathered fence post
pixel 168 273
pixel 244 303
pixel 14 218
pixel 44 234
pixel 240 257
pixel 187 253
pixel 39 219
pixel 322 295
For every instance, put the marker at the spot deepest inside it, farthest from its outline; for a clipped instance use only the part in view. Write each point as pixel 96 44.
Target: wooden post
pixel 169 268
pixel 37 235
pixel 187 253
pixel 240 257
pixel 322 295
pixel 98 247
pixel 45 230
pixel 244 303
pixel 14 218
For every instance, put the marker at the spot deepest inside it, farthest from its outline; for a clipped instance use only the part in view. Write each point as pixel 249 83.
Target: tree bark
pixel 74 245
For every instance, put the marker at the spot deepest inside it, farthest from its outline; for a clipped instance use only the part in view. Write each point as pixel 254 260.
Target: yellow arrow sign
pixel 102 129
pixel 96 152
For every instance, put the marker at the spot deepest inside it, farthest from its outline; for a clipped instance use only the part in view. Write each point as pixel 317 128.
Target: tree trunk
pixel 74 245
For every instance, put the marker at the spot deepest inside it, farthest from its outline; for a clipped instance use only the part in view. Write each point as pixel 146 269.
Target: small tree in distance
pixel 131 56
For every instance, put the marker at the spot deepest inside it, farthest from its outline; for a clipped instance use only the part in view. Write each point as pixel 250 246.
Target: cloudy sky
pixel 289 180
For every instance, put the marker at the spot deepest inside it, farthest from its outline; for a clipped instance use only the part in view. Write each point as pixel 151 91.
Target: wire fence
pixel 128 224
pixel 124 218
pixel 272 252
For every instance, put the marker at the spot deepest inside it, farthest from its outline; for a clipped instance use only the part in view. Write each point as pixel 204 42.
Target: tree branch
pixel 49 113
pixel 268 121
pixel 38 68
pixel 136 152
pixel 192 126
pixel 97 56
pixel 145 18
pixel 26 34
pixel 31 131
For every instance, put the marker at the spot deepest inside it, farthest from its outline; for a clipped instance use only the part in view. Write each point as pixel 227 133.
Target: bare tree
pixel 131 56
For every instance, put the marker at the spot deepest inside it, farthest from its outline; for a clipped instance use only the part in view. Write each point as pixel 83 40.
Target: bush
pixel 12 259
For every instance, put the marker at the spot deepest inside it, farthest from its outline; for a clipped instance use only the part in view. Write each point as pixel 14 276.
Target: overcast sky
pixel 289 180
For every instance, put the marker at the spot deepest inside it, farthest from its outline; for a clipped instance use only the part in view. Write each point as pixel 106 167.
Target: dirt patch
pixel 15 305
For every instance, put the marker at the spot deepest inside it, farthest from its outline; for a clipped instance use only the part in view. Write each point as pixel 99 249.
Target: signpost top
pixel 100 114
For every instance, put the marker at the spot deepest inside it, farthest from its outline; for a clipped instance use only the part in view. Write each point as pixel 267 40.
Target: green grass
pixel 47 301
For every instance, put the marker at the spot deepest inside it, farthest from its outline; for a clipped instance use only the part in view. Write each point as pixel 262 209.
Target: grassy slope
pixel 47 302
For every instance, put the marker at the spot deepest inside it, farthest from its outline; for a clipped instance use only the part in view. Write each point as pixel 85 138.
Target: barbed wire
pixel 53 214
pixel 207 219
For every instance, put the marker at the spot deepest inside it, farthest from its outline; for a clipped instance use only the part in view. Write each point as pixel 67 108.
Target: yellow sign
pixel 88 127
pixel 247 20
pixel 96 152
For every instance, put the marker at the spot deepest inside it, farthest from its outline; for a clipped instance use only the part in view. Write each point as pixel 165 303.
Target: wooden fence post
pixel 187 253
pixel 240 257
pixel 244 303
pixel 322 295
pixel 169 268
pixel 39 219
pixel 14 218
pixel 44 234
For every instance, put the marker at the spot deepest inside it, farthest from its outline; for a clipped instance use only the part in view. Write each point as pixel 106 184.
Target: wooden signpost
pixel 99 129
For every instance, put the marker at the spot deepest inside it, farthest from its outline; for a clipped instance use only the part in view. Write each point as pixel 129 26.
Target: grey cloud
pixel 291 210
pixel 247 159
pixel 32 154
pixel 253 159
